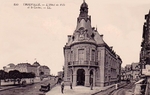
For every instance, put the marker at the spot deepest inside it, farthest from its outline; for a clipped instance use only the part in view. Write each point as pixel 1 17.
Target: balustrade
pixel 83 63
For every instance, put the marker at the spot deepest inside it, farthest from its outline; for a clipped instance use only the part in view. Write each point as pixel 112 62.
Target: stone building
pixel 123 73
pixel 131 71
pixel 88 59
pixel 145 54
pixel 145 50
pixel 128 72
pixel 135 71
pixel 27 67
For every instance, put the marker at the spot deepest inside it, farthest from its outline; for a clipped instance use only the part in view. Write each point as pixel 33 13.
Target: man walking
pixel 62 87
pixel 70 85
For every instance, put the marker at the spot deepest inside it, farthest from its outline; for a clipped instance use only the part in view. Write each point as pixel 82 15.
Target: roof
pixel 11 65
pixel 45 67
pixel 36 64
pixel 26 64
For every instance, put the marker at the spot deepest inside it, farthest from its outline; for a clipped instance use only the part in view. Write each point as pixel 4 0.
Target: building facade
pixel 145 54
pixel 35 68
pixel 135 71
pixel 88 59
pixel 145 50
pixel 128 72
pixel 131 72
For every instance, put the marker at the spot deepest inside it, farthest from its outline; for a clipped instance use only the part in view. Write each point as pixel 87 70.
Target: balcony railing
pixel 83 63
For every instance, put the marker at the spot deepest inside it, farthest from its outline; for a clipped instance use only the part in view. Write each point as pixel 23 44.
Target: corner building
pixel 88 59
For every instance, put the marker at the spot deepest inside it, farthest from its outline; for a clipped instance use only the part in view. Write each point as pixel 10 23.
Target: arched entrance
pixel 80 77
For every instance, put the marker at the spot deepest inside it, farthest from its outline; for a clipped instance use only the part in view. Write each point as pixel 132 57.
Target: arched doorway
pixel 80 77
pixel 91 77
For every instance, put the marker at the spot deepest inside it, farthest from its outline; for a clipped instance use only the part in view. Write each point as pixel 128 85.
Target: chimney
pixel 69 37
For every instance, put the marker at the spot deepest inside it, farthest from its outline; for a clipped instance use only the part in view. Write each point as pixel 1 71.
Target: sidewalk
pixel 77 90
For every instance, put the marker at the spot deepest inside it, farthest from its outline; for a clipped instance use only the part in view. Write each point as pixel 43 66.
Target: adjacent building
pixel 27 67
pixel 145 50
pixel 88 59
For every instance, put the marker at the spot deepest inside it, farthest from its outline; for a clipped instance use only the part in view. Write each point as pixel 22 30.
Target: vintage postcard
pixel 82 47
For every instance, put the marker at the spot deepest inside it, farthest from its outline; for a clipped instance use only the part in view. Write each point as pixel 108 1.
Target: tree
pixel 23 75
pixel 6 76
pixel 15 74
pixel 41 75
pixel 28 75
pixel 31 76
pixel 2 75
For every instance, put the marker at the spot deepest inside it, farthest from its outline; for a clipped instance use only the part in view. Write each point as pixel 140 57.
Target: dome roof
pixel 11 65
pixel 24 64
pixel 36 64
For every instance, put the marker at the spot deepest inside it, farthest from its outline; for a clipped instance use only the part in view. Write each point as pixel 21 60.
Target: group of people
pixel 63 85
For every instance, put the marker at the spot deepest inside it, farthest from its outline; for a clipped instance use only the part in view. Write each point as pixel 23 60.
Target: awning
pixel 141 80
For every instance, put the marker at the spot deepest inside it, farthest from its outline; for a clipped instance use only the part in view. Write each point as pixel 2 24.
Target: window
pixel 81 55
pixel 93 55
pixel 71 59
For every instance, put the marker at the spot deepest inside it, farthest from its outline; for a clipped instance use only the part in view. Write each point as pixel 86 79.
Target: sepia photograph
pixel 74 47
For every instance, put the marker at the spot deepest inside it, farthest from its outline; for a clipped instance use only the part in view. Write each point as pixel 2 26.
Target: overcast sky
pixel 26 34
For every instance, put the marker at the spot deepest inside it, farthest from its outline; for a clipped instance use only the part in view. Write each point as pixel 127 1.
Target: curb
pixel 103 90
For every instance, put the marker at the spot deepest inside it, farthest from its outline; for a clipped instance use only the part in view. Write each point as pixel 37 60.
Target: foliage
pixel 27 75
pixel 14 74
pixel 2 74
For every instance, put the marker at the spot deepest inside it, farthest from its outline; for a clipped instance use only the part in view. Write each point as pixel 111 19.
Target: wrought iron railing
pixel 84 63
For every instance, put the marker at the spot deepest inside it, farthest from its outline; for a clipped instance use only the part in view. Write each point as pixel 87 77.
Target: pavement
pixel 77 90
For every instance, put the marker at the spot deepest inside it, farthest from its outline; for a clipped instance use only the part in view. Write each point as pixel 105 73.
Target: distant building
pixel 123 73
pixel 88 59
pixel 128 71
pixel 27 67
pixel 135 71
pixel 131 71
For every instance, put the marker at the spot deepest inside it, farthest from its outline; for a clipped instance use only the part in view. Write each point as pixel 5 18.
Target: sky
pixel 29 35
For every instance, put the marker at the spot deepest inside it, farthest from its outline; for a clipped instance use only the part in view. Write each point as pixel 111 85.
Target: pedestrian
pixel 49 86
pixel 70 85
pixel 116 86
pixel 91 86
pixel 62 87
